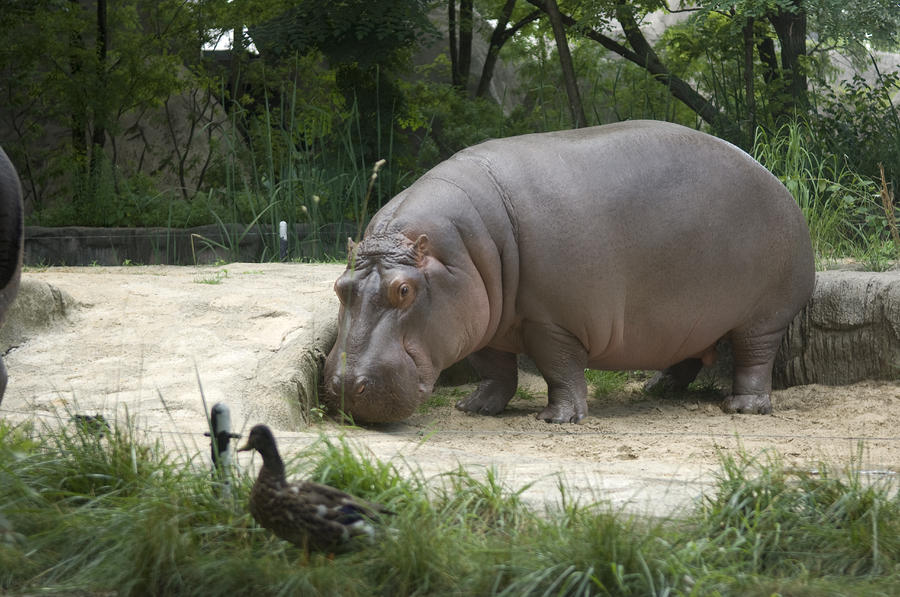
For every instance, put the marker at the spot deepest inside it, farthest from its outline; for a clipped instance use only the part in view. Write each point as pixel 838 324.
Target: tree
pixel 640 51
pixel 460 41
pixel 367 43
pixel 565 61
pixel 501 34
pixel 80 66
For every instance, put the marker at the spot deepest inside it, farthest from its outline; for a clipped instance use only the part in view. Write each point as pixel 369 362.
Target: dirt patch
pixel 134 338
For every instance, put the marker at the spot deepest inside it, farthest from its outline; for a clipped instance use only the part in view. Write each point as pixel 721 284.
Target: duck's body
pixel 307 514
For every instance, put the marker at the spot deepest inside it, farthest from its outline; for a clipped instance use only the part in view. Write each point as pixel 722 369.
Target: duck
pixel 310 515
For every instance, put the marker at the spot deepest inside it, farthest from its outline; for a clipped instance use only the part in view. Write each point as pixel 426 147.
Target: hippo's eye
pixel 401 293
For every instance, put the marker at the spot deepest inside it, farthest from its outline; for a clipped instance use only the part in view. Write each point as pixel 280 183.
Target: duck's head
pixel 261 440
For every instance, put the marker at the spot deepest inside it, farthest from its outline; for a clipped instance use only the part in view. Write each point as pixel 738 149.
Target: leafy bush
pixel 842 208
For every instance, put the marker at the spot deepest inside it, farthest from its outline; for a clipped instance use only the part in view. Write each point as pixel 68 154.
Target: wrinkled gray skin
pixel 12 237
pixel 635 245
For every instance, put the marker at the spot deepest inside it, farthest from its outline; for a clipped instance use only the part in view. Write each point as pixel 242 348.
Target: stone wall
pixel 77 245
pixel 849 331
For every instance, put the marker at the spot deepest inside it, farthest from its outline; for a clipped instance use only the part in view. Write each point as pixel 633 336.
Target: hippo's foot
pixel 499 372
pixel 556 415
pixel 490 398
pixel 748 404
pixel 564 411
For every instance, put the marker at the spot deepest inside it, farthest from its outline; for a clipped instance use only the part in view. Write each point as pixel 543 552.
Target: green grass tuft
pixel 90 514
pixel 605 382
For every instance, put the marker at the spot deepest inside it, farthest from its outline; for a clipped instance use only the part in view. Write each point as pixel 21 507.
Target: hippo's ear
pixel 351 250
pixel 422 248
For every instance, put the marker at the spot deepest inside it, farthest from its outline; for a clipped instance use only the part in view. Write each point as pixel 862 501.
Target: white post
pixel 283 237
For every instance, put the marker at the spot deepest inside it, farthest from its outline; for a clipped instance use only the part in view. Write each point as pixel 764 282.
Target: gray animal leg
pixel 561 359
pixel 754 356
pixel 674 378
pixel 499 372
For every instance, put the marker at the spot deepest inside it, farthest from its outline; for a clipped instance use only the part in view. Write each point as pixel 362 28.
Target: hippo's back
pixel 667 228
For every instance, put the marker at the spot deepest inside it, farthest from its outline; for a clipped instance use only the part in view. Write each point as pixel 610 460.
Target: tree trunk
pixel 766 48
pixel 749 90
pixel 644 56
pixel 791 30
pixel 499 37
pixel 454 51
pixel 235 67
pixel 98 139
pixel 565 61
pixel 79 113
pixel 466 23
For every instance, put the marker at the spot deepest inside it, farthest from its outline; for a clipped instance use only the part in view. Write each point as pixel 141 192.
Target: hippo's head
pixel 405 315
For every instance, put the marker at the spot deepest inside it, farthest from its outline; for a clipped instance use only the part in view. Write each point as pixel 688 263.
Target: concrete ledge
pixel 79 245
pixel 849 331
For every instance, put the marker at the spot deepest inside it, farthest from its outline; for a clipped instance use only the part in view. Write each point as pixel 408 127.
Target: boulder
pixel 38 306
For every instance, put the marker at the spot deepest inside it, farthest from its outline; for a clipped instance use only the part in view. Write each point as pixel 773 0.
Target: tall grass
pixel 83 513
pixel 313 173
pixel 842 208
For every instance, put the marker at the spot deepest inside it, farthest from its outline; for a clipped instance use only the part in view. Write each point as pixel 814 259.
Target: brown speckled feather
pixel 305 513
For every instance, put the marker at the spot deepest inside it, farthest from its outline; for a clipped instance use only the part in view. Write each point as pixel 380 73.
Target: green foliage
pixel 88 514
pixel 352 31
pixel 606 382
pixel 842 208
pixel 54 78
pixel 860 122
pixel 291 134
pixel 443 121
pixel 800 522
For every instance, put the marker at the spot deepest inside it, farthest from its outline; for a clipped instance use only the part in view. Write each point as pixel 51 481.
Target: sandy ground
pixel 137 338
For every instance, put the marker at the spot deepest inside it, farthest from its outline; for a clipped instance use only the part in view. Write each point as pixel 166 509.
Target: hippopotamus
pixel 635 245
pixel 12 238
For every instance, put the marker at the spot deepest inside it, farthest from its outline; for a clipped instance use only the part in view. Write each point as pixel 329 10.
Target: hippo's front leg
pixel 499 372
pixel 561 359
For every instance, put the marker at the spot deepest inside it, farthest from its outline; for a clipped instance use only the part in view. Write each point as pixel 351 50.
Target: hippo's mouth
pixel 424 371
pixel 394 394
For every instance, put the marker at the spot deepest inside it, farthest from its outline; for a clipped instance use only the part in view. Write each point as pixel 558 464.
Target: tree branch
pixel 644 56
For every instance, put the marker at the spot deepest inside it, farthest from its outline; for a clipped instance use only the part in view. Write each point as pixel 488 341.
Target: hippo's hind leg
pixel 499 372
pixel 561 359
pixel 674 378
pixel 754 356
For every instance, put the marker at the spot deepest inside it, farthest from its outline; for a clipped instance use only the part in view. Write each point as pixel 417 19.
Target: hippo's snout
pixel 372 391
pixel 343 384
pixel 343 381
